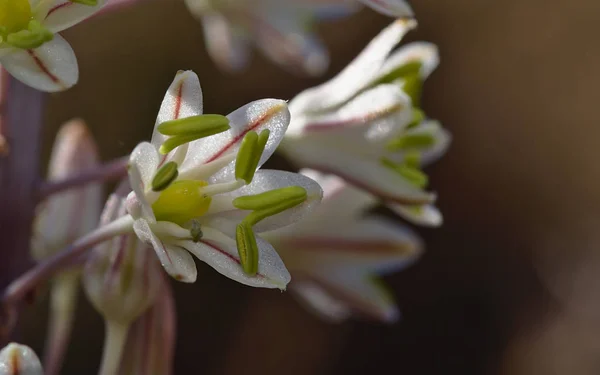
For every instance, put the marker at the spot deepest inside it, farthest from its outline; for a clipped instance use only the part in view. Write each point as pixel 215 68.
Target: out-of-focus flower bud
pixel 122 276
pixel 16 359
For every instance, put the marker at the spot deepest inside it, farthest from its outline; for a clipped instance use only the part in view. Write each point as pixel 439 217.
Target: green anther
pixel 409 69
pixel 86 2
pixel 174 142
pixel 200 126
pixel 33 37
pixel 411 173
pixel 413 87
pixel 165 175
pixel 270 198
pixel 411 141
pixel 412 159
pixel 247 248
pixel 418 117
pixel 196 230
pixel 249 154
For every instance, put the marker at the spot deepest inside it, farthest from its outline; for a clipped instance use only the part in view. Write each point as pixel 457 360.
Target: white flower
pixel 337 253
pixel 203 197
pixel 30 48
pixel 281 29
pixel 16 359
pixel 393 8
pixel 365 125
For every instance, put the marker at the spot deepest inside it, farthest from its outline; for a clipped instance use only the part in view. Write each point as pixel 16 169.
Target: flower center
pixel 181 202
pixel 14 16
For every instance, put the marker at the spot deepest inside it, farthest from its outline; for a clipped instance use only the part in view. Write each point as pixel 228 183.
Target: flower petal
pixel 58 15
pixel 282 35
pixel 364 172
pixel 226 43
pixel 68 215
pixel 266 180
pixel 392 8
pixel 315 299
pixel 425 53
pixel 175 260
pixel 355 76
pixel 271 114
pixel 353 246
pixel 426 215
pixel 384 108
pixel 146 159
pixel 19 359
pixel 183 99
pixel 220 252
pixel 50 67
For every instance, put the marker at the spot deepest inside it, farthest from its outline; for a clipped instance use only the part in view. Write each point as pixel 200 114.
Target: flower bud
pixel 16 359
pixel 122 276
pixel 70 214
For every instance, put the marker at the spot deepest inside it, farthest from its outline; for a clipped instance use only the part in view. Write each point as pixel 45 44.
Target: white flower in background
pixel 30 48
pixel 336 254
pixel 365 126
pixel 16 359
pixel 197 188
pixel 282 29
pixel 393 8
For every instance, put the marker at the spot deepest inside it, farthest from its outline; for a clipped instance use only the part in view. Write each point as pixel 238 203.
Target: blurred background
pixel 510 283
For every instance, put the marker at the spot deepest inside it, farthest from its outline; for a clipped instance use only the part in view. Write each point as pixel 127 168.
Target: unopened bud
pixel 16 359
pixel 122 276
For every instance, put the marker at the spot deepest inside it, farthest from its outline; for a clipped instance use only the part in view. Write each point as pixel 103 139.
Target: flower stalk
pixel 114 342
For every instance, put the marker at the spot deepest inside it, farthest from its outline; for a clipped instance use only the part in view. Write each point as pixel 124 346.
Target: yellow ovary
pixel 14 15
pixel 181 202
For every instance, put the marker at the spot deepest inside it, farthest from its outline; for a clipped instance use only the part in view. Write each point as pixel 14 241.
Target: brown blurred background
pixel 509 285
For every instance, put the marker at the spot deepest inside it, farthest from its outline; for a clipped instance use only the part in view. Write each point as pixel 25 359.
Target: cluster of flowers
pixel 197 188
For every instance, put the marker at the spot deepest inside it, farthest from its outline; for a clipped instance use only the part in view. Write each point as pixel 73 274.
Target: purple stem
pixel 21 117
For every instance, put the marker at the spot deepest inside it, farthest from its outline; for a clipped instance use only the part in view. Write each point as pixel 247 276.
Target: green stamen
pixel 413 87
pixel 33 37
pixel 418 117
pixel 411 141
pixel 270 198
pixel 196 231
pixel 410 173
pixel 247 248
pixel 201 125
pixel 86 2
pixel 409 69
pixel 165 175
pixel 412 159
pixel 249 154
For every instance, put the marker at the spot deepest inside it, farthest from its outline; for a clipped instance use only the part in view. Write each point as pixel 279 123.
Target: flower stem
pixel 114 342
pixel 63 298
pixel 44 270
pixel 112 170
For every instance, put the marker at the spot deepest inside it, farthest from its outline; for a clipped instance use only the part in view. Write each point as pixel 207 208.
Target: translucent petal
pixel 220 252
pixel 19 359
pixel 175 260
pixel 315 299
pixel 50 67
pixel 425 53
pixel 392 8
pixel 426 215
pixel 58 15
pixel 271 114
pixel 226 43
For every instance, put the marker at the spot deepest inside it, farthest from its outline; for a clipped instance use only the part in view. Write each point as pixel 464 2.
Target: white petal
pixel 266 180
pixel 282 35
pixel 426 215
pixel 19 359
pixel 271 114
pixel 226 43
pixel 385 109
pixel 363 294
pixel 68 215
pixel 363 246
pixel 50 67
pixel 443 138
pixel 58 15
pixel 146 159
pixel 220 252
pixel 183 99
pixel 392 8
pixel 425 53
pixel 364 172
pixel 318 301
pixel 355 76
pixel 175 260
